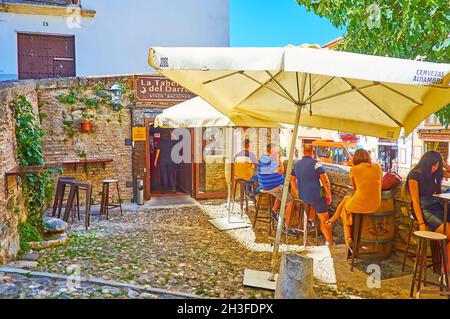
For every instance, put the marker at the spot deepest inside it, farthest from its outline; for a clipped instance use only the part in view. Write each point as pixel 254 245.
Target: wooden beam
pixel 35 9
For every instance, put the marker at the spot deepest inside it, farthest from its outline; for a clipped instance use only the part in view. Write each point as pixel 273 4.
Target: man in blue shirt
pixel 271 179
pixel 307 179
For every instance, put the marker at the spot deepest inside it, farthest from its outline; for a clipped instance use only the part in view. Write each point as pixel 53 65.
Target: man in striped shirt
pixel 271 179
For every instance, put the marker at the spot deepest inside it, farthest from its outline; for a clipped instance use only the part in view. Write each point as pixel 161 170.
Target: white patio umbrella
pixel 355 93
pixel 196 112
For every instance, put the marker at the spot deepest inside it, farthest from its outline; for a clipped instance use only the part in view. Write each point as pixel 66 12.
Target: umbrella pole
pixel 285 194
pixel 230 174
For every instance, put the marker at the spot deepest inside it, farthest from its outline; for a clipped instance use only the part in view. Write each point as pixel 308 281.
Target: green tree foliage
pixel 395 28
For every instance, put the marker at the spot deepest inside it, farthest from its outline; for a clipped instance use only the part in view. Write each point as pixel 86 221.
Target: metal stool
pixel 268 219
pixel 61 185
pixel 243 196
pixel 75 188
pixel 303 218
pixel 420 265
pixel 105 204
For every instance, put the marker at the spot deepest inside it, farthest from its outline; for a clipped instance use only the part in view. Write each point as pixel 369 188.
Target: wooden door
pixel 147 182
pixel 45 56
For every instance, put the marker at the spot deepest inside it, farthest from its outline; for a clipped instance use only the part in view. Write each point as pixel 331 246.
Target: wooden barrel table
pixel 378 230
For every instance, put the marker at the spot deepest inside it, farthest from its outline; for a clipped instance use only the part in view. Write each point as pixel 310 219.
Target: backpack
pixel 390 180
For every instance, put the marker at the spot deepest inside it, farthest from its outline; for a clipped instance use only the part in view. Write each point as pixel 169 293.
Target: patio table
pixel 24 170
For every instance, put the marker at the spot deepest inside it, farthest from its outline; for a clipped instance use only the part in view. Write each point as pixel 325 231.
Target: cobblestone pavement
pixel 172 248
pixel 19 286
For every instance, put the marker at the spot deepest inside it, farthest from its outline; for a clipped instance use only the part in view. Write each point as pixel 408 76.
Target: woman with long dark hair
pixel 423 181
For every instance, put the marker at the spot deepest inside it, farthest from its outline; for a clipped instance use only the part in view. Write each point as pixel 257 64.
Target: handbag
pixel 390 180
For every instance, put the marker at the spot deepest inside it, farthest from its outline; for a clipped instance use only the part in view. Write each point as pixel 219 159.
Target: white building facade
pixel 99 37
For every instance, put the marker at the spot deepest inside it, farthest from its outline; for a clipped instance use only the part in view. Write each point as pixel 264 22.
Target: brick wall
pixel 64 140
pixel 12 210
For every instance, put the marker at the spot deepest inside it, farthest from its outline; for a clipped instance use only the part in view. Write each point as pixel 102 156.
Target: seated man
pixel 306 178
pixel 244 167
pixel 271 180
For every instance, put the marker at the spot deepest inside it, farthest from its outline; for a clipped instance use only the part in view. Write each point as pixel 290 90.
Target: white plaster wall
pixel 117 40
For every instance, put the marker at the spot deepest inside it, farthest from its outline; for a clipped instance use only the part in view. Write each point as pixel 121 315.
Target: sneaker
pixel 291 232
pixel 274 215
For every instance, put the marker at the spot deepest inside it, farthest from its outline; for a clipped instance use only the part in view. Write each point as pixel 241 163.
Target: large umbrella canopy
pixel 196 112
pixel 341 91
pixel 355 93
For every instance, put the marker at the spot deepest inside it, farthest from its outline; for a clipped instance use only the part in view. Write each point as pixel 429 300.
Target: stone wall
pixel 64 140
pixel 12 211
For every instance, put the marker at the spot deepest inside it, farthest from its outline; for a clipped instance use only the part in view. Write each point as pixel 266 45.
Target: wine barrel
pixel 378 230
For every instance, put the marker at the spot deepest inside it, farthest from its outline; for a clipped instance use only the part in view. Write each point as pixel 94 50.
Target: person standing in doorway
pixel 166 164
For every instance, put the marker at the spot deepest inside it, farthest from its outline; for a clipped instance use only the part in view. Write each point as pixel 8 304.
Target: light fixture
pixel 116 96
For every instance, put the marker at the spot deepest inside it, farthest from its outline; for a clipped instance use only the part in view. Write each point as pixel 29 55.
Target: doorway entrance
pixel 204 178
pixel 165 177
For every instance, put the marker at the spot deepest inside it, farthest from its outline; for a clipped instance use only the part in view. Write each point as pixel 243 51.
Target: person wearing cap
pixel 307 179
pixel 271 179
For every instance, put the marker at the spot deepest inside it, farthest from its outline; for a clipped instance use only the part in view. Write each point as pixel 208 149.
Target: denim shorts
pixel 320 206
pixel 433 212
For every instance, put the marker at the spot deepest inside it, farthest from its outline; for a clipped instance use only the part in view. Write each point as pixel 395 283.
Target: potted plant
pixel 86 124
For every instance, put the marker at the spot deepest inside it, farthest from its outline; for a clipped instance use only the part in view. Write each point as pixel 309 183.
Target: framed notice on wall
pixel 139 134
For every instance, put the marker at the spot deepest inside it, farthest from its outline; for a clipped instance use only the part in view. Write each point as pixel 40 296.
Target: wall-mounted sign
pixel 159 90
pixel 435 137
pixel 139 134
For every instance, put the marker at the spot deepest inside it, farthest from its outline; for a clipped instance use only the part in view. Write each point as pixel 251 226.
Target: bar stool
pixel 268 219
pixel 408 254
pixel 61 185
pixel 356 238
pixel 105 204
pixel 303 218
pixel 420 265
pixel 75 188
pixel 243 196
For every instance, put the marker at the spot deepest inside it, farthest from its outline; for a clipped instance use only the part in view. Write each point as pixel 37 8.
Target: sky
pixel 277 23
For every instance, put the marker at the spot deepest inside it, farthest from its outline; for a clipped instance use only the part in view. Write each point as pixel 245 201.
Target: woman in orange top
pixel 366 181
